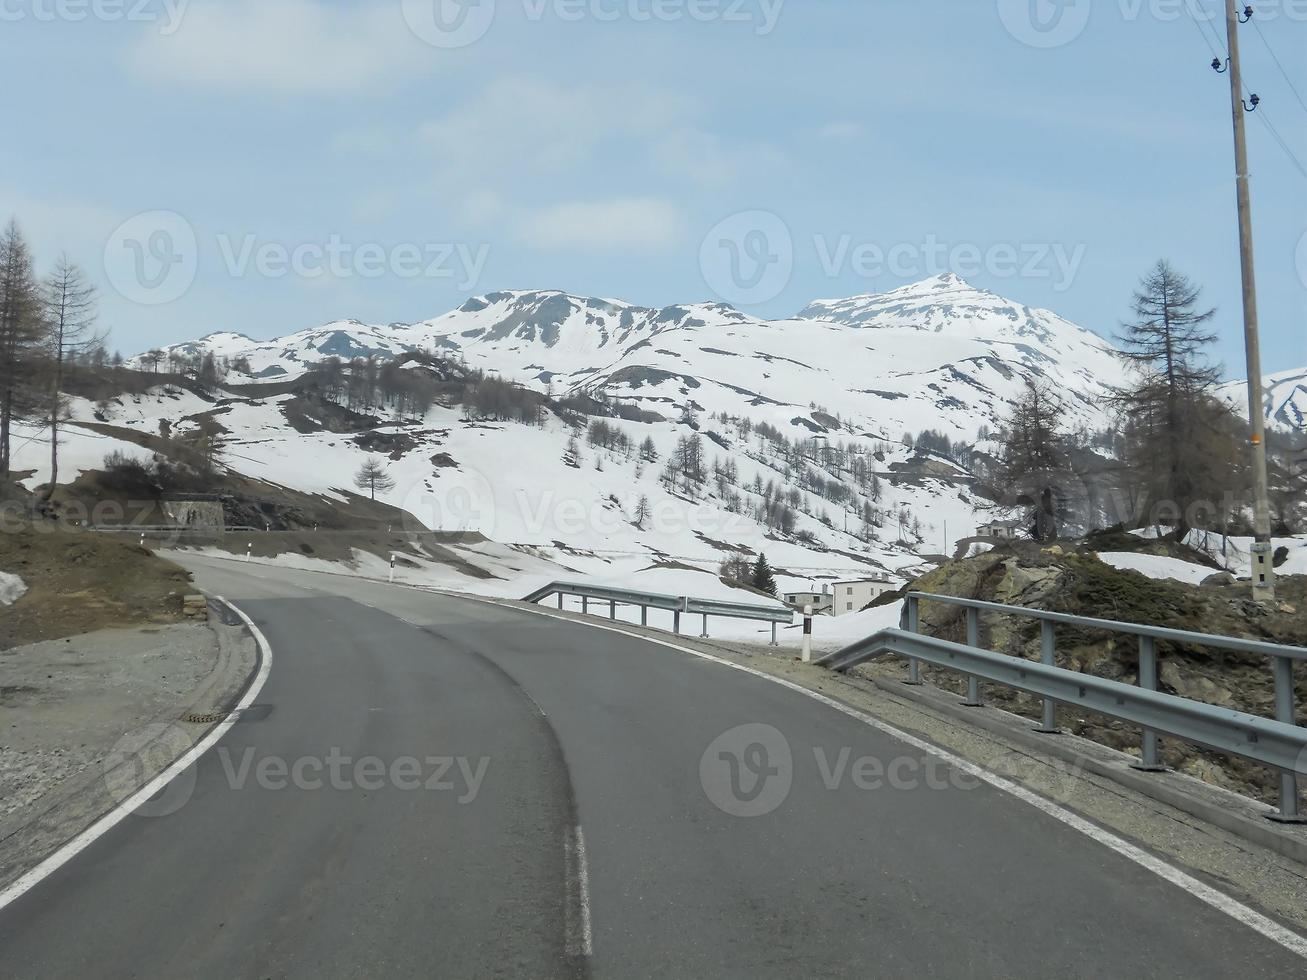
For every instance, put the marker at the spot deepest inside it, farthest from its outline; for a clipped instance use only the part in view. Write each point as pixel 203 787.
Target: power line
pixel 1217 47
pixel 1288 151
pixel 1280 65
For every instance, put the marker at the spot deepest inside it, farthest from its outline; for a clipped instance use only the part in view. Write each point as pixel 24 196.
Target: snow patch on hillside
pixel 1157 566
pixel 12 588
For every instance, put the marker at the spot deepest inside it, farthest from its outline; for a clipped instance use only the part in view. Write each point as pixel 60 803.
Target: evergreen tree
pixel 1032 462
pixel 1169 402
pixel 761 577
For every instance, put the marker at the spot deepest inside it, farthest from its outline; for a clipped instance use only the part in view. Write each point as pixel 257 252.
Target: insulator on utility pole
pixel 1263 567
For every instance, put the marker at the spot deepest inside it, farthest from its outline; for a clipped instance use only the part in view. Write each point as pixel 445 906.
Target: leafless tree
pixel 371 476
pixel 21 330
pixel 69 308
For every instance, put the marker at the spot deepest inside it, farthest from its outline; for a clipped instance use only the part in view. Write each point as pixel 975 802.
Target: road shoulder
pixel 91 719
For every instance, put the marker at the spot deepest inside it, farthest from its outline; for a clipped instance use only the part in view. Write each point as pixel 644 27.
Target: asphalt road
pixel 430 786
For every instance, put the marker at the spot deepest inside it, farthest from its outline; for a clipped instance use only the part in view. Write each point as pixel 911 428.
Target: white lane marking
pixel 115 816
pixel 578 939
pixel 1259 923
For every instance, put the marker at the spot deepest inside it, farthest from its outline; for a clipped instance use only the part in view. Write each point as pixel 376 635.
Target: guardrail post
pixel 1048 655
pixel 914 626
pixel 560 600
pixel 644 615
pixel 1148 760
pixel 585 605
pixel 773 634
pixel 973 640
pixel 612 608
pixel 1284 712
pixel 676 622
pixel 704 634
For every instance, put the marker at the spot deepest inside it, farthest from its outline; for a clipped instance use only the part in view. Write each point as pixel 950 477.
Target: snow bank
pixel 11 589
pixel 1233 552
pixel 1157 566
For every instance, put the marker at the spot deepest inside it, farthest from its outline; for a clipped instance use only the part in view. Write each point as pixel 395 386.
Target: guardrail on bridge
pixel 1279 743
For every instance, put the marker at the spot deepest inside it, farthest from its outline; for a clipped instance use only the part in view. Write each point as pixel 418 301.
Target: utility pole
pixel 1263 567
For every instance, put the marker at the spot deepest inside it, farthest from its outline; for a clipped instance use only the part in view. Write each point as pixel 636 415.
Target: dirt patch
pixel 79 581
pixel 393 444
pixel 310 413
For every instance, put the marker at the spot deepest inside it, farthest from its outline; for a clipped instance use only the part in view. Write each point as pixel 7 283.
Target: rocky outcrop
pixel 1070 579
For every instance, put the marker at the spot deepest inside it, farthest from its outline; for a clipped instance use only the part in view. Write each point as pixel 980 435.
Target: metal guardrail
pixel 658 600
pixel 1279 743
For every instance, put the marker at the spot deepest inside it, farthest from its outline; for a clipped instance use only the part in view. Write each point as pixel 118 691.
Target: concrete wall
pixel 194 513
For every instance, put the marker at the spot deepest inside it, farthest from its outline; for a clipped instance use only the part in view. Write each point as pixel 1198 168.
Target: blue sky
pixel 268 165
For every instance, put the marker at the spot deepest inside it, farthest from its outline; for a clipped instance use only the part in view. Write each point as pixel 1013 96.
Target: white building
pixel 820 601
pixel 1003 530
pixel 853 595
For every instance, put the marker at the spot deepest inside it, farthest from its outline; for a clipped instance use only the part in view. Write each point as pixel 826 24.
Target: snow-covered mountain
pixel 1285 396
pixel 804 415
pixel 939 354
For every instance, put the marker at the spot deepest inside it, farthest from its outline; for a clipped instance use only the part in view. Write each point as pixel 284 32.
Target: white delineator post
pixel 249 550
pixel 807 634
pixel 392 566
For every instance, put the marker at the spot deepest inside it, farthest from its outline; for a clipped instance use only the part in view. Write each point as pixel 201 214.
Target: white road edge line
pixel 91 834
pixel 1250 917
pixel 578 939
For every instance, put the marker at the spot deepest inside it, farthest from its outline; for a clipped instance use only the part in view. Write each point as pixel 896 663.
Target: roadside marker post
pixel 392 566
pixel 807 634
pixel 249 550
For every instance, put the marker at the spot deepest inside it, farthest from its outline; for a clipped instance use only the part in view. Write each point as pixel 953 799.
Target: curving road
pixel 429 786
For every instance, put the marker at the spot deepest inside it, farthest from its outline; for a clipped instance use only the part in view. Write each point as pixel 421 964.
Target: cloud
pixel 709 161
pixel 295 47
pixel 531 126
pixel 842 130
pixel 630 223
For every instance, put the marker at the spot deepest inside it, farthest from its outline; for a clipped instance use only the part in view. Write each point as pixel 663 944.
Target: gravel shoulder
pixel 87 720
